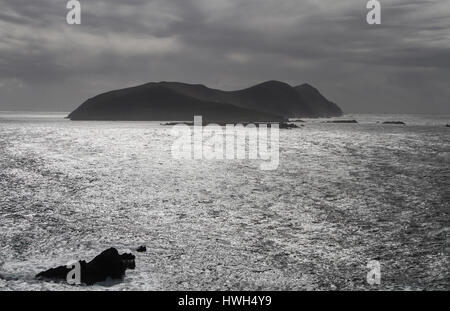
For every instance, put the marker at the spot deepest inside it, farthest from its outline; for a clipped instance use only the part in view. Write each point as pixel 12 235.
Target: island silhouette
pixel 271 101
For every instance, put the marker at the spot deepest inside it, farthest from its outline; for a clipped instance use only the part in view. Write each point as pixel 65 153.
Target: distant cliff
pixel 173 101
pixel 316 102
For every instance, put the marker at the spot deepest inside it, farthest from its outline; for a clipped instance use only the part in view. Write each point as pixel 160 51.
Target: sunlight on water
pixel 344 194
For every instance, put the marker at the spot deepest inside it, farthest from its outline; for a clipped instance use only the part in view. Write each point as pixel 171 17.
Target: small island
pixel 394 122
pixel 342 121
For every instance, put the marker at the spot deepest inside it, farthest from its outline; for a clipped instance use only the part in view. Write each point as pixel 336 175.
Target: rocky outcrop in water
pixel 342 121
pixel 281 125
pixel 141 249
pixel 108 265
pixel 395 122
pixel 285 125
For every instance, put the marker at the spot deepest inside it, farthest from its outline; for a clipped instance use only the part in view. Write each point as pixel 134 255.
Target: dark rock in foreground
pixel 395 122
pixel 342 121
pixel 448 125
pixel 271 101
pixel 109 264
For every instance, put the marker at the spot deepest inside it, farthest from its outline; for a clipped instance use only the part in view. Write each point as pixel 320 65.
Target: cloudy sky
pixel 402 65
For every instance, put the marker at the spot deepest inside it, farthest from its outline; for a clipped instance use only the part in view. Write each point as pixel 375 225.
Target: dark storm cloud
pixel 401 65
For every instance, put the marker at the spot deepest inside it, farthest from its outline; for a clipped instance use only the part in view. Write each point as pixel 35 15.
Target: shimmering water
pixel 343 194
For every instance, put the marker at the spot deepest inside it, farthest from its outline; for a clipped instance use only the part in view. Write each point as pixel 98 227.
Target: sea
pixel 343 197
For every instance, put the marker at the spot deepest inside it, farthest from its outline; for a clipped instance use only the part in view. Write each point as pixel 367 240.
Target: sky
pixel 400 66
